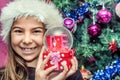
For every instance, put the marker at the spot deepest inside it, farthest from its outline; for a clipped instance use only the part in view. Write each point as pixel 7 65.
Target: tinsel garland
pixel 79 13
pixel 109 73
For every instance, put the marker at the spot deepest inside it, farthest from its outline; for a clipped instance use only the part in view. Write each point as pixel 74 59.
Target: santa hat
pixel 44 12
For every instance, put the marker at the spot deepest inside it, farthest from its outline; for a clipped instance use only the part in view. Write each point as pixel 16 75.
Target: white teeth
pixel 28 49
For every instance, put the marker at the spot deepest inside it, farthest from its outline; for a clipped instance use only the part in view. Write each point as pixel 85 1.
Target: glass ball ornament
pixel 70 24
pixel 94 30
pixel 117 9
pixel 103 16
pixel 59 31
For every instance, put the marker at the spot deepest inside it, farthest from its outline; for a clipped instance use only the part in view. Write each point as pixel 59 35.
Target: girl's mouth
pixel 28 50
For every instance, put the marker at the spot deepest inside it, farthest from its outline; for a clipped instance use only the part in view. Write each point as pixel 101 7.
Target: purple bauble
pixel 103 16
pixel 94 30
pixel 69 23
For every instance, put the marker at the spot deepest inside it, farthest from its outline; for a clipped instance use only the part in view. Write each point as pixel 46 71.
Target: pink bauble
pixel 117 9
pixel 104 16
pixel 94 30
pixel 69 23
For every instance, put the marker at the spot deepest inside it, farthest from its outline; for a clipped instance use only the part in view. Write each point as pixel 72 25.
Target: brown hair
pixel 15 68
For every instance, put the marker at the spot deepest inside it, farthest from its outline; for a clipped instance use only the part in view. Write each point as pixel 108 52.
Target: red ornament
pixel 86 74
pixel 92 59
pixel 94 30
pixel 113 46
pixel 103 16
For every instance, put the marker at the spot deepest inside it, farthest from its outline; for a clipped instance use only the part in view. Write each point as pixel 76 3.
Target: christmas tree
pixel 95 25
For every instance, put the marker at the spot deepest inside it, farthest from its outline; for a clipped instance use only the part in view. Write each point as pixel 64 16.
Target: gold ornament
pixel 86 74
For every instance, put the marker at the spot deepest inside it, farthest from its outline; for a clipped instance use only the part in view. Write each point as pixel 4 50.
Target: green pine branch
pixel 99 48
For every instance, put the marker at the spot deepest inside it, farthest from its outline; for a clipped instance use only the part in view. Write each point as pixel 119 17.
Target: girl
pixel 24 23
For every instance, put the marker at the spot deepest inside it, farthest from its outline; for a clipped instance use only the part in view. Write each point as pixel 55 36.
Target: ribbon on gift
pixel 55 58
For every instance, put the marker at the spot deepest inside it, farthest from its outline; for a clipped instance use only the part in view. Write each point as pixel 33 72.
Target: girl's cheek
pixel 16 38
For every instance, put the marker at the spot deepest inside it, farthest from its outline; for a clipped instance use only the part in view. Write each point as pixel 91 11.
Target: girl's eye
pixel 18 31
pixel 37 31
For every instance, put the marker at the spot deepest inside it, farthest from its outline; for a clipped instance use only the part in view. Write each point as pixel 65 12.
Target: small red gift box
pixel 57 57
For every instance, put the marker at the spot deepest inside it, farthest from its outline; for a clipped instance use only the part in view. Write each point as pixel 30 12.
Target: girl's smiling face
pixel 27 38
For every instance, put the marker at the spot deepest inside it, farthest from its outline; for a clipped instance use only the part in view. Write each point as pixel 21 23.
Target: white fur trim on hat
pixel 45 12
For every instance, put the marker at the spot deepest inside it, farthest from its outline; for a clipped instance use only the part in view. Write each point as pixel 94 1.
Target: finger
pixel 76 62
pixel 49 70
pixel 74 67
pixel 43 64
pixel 40 58
pixel 62 75
pixel 65 69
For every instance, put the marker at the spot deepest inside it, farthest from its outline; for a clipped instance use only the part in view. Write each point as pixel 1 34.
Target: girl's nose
pixel 27 39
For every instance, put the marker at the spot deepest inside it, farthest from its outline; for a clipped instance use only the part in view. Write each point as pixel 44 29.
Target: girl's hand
pixel 49 74
pixel 40 73
pixel 66 73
